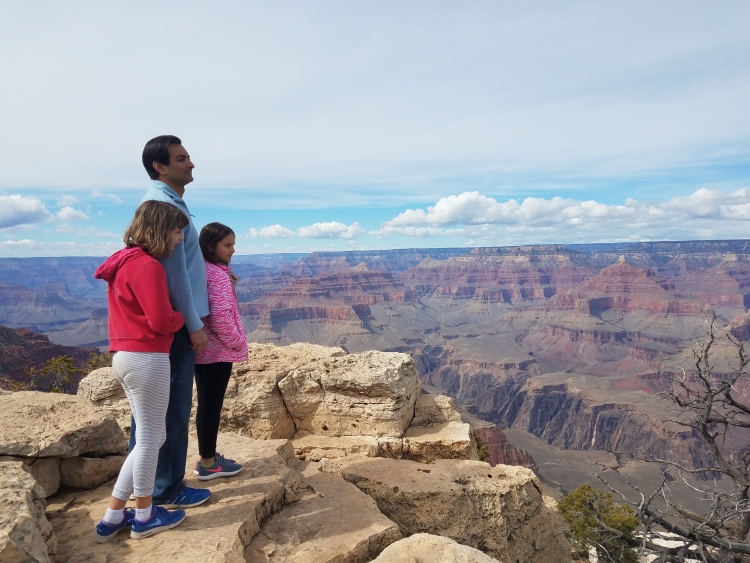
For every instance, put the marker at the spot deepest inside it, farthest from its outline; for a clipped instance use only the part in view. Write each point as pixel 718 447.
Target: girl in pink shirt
pixel 226 344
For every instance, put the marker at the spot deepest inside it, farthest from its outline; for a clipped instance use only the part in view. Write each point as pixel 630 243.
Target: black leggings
pixel 211 382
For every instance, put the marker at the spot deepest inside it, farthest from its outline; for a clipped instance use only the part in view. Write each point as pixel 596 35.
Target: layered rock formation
pixel 468 502
pixel 75 273
pixel 340 494
pixel 528 337
pixel 490 275
pixel 500 451
pixel 342 299
pixel 43 307
pixel 93 332
pixel 60 439
pixel 21 348
pixel 370 394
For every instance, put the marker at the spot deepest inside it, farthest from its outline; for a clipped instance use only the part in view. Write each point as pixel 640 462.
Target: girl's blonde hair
pixel 154 221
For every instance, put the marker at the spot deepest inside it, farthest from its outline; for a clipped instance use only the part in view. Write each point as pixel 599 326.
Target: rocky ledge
pixel 345 461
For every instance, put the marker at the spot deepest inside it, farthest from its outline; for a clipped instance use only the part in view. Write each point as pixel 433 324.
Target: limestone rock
pixel 391 447
pixel 435 549
pixel 218 531
pixel 366 394
pixel 102 388
pixel 434 409
pixel 450 440
pixel 425 444
pixel 309 446
pixel 253 405
pixel 25 533
pixel 332 523
pixel 89 472
pixel 44 470
pixel 499 509
pixel 35 424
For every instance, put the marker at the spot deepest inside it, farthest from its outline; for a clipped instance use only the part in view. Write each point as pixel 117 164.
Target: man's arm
pixel 181 296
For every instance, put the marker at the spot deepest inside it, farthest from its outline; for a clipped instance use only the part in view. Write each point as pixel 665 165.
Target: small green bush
pixel 578 510
pixel 56 376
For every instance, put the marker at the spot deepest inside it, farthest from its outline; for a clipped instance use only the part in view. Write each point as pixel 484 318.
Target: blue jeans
pixel 170 468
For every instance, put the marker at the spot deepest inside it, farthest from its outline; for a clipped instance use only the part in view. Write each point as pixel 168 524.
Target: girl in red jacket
pixel 141 327
pixel 226 344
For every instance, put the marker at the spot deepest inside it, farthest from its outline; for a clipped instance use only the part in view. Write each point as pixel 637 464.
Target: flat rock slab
pixel 314 448
pixel 449 440
pixel 435 549
pixel 217 531
pixel 334 522
pixel 35 424
pixel 498 509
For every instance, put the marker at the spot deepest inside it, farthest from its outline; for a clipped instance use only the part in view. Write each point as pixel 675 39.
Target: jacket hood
pixel 108 270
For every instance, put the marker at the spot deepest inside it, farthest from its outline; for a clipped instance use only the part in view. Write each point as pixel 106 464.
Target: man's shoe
pixel 160 520
pixel 188 498
pixel 219 468
pixel 218 457
pixel 106 532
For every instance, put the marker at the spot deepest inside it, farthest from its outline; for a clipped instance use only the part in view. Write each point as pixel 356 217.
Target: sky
pixel 323 125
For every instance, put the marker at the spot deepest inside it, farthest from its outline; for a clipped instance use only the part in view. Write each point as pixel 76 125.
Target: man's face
pixel 179 171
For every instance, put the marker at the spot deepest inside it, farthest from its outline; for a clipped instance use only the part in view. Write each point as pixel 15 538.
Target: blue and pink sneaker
pixel 221 467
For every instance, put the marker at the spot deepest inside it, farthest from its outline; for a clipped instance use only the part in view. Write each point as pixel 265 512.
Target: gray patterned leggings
pixel 145 378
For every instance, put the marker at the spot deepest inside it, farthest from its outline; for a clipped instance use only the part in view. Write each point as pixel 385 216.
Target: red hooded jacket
pixel 141 318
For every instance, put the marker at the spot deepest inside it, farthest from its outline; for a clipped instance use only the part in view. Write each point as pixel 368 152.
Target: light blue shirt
pixel 186 272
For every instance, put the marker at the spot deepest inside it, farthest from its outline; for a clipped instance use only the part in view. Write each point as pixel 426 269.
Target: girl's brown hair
pixel 211 235
pixel 154 221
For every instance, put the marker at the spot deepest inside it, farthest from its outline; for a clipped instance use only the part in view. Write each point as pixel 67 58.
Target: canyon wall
pixel 568 342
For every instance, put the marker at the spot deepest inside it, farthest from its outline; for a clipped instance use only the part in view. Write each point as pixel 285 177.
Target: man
pixel 168 164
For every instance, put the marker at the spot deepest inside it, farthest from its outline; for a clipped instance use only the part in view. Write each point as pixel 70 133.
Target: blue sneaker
pixel 106 532
pixel 187 498
pixel 218 457
pixel 219 468
pixel 160 520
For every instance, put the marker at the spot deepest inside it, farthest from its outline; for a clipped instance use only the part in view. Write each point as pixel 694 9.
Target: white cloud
pixel 66 200
pixel 68 213
pixel 322 230
pixel 272 231
pixel 332 230
pixel 703 214
pixel 18 210
pixel 100 194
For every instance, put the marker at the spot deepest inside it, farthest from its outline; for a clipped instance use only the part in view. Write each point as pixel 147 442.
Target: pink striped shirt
pixel 226 335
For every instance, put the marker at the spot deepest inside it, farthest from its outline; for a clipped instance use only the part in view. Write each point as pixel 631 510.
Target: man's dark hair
pixel 157 150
